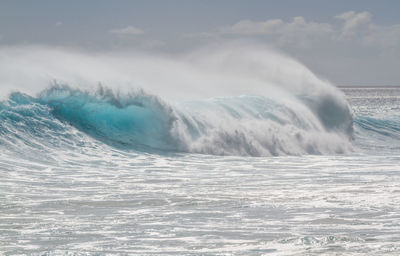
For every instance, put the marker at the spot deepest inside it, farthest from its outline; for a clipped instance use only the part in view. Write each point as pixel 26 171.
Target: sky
pixel 349 42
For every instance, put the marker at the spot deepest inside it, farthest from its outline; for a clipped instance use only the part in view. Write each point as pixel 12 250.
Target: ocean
pixel 311 172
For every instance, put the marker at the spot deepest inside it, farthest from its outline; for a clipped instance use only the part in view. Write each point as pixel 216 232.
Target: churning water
pixel 298 169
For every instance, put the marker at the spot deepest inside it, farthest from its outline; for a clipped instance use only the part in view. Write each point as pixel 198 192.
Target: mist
pixel 237 98
pixel 211 71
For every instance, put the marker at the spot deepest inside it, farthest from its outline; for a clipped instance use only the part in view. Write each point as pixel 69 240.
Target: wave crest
pixel 243 125
pixel 275 105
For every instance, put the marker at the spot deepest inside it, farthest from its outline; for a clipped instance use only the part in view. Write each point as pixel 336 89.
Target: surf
pixel 234 100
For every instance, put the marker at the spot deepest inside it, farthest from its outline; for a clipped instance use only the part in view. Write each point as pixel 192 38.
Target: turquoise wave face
pixel 138 120
pixel 244 125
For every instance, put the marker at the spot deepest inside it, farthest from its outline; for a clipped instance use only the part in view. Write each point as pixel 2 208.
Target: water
pixel 236 150
pixel 61 198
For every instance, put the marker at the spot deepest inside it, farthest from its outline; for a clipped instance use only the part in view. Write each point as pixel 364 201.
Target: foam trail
pixel 239 99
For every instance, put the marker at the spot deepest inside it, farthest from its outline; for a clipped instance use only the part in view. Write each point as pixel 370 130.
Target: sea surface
pixel 76 180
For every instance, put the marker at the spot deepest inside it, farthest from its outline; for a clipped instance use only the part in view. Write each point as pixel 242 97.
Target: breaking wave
pixel 232 101
pixel 243 125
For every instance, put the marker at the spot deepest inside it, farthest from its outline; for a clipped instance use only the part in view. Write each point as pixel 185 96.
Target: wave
pixel 225 100
pixel 243 125
pixel 379 133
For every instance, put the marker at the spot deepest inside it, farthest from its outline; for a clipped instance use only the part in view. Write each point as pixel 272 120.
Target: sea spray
pixel 232 100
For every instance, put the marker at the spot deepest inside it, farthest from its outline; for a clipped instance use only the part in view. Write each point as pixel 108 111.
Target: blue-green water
pixel 86 174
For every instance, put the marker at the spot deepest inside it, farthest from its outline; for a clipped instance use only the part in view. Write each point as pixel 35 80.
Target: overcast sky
pixel 350 42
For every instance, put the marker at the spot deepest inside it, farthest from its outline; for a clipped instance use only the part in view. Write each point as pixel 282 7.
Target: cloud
pixel 353 21
pixel 129 30
pixel 355 29
pixel 360 28
pixel 350 48
pixel 298 31
pixel 58 23
pixel 276 26
pixel 248 27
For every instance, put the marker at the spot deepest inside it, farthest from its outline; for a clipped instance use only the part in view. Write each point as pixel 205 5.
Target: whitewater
pixel 228 150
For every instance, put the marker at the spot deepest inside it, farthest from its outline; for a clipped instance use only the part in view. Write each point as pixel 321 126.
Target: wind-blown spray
pixel 231 100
